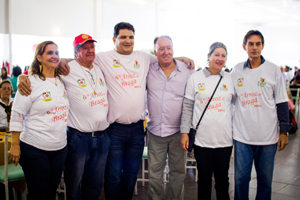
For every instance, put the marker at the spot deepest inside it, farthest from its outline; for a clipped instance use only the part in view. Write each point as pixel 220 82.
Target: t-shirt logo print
pixel 240 82
pixel 47 96
pixel 224 88
pixel 136 65
pixel 116 63
pixel 81 82
pixel 201 86
pixel 65 95
pixel 262 82
pixel 101 82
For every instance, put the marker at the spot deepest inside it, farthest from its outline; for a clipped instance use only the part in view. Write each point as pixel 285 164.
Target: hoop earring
pixel 41 68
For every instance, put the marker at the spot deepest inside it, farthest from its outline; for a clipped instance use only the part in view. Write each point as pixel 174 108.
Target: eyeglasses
pixel 4 88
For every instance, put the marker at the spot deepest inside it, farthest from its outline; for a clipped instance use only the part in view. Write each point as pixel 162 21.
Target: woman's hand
pixel 14 154
pixel 184 141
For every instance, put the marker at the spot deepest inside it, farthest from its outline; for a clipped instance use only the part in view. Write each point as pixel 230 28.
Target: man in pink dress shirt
pixel 165 86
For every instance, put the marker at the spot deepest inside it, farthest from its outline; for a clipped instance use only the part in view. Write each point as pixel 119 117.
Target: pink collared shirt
pixel 165 98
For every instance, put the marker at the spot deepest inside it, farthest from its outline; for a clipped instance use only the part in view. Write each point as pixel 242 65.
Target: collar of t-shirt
pixel 207 73
pixel 247 63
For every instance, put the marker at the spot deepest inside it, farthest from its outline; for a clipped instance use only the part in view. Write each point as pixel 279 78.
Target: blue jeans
pixel 124 159
pixel 264 156
pixel 85 165
pixel 42 170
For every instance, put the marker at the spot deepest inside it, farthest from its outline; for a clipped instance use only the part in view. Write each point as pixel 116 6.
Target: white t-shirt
pixel 3 115
pixel 215 129
pixel 46 112
pixel 126 83
pixel 88 112
pixel 258 91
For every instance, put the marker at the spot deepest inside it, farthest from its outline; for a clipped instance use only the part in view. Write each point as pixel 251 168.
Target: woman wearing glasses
pixel 213 140
pixel 44 115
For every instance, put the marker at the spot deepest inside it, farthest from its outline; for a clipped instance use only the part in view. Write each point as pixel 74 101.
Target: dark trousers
pixel 85 165
pixel 215 161
pixel 124 159
pixel 42 170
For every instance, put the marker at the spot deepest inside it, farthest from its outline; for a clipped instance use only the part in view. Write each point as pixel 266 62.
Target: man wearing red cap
pixel 88 142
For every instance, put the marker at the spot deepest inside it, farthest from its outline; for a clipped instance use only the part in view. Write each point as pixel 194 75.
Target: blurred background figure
pixel 5 102
pixel 4 75
pixel 16 71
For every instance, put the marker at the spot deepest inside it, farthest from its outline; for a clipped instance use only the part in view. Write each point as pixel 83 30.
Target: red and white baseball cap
pixel 81 39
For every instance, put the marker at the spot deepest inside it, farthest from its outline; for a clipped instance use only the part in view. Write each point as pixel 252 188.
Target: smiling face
pixel 86 53
pixel 163 50
pixel 124 42
pixel 217 59
pixel 50 57
pixel 254 46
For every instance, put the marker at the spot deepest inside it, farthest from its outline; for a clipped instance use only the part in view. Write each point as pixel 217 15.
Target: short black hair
pixel 16 71
pixel 163 36
pixel 122 25
pixel 253 32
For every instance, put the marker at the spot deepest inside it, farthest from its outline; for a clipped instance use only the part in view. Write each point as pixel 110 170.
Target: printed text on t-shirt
pixel 94 102
pixel 127 80
pixel 249 98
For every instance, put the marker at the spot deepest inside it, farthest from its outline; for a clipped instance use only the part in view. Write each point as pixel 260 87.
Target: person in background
pixel 5 102
pixel 42 119
pixel 213 140
pixel 4 75
pixel 16 71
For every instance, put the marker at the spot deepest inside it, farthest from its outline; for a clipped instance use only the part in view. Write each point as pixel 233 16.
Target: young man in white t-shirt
pixel 261 102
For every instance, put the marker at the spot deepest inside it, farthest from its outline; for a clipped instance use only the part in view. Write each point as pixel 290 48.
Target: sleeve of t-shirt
pixel 97 59
pixel 280 91
pixel 22 104
pixel 189 89
pixel 153 59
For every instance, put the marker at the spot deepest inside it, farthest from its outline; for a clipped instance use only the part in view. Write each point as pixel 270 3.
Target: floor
pixel 286 179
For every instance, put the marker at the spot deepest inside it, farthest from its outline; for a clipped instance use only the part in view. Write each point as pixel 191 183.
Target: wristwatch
pixel 285 133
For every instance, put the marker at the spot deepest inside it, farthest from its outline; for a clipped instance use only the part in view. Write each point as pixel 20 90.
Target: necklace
pixel 89 80
pixel 52 81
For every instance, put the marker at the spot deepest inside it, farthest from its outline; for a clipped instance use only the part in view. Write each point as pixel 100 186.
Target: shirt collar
pixel 207 73
pixel 10 100
pixel 177 67
pixel 247 63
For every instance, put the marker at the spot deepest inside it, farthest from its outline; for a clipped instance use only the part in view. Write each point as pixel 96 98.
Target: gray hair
pixel 216 45
pixel 163 36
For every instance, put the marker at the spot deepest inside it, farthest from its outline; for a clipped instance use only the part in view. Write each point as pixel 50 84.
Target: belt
pixel 92 134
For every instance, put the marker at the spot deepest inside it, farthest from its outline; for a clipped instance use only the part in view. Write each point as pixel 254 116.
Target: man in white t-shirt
pixel 88 142
pixel 261 102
